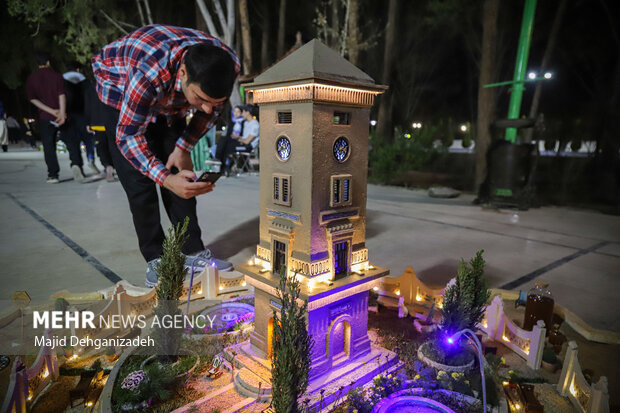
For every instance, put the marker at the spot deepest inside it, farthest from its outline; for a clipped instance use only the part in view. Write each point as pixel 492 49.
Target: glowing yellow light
pixel 89 404
pixel 397 292
pixel 517 406
pixel 221 287
pixel 440 305
pixel 251 261
pixel 73 357
pixel 46 373
pixel 199 291
pixel 418 297
pixel 371 267
pixel 29 398
pixel 505 338
pixel 273 89
pixel 375 288
pixel 243 284
pixel 505 383
pixel 572 388
pixel 484 323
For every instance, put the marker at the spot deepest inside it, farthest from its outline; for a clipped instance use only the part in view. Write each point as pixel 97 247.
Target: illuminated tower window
pixel 282 189
pixel 340 191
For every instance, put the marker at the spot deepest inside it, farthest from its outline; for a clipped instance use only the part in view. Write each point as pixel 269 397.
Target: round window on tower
pixel 283 148
pixel 341 149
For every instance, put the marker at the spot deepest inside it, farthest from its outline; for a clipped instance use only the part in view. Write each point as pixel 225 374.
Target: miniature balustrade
pixel 25 384
pixel 121 304
pixel 584 397
pixel 527 344
pixel 410 288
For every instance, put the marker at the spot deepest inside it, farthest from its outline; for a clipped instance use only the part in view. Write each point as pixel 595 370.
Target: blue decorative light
pixel 341 149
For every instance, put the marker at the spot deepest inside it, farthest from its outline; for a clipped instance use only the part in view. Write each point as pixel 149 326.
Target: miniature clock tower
pixel 314 121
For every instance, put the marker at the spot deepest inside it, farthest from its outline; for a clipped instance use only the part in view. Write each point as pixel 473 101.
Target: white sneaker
pixel 78 175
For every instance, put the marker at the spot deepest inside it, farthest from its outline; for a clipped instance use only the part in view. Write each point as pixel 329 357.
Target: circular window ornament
pixel 283 148
pixel 341 149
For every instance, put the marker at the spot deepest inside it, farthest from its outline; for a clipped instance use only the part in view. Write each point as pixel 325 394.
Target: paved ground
pixel 80 237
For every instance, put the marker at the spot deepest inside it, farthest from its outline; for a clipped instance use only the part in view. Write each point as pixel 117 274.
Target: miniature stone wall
pixel 584 397
pixel 527 344
pixel 339 332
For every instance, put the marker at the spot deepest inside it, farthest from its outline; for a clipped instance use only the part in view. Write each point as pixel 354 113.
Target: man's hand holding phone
pixel 184 185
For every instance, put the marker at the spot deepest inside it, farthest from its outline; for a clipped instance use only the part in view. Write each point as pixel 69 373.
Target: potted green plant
pixel 463 307
pixel 550 361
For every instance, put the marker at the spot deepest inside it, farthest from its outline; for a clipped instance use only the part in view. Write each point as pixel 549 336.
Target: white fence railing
pixel 584 397
pixel 125 300
pixel 25 384
pixel 527 344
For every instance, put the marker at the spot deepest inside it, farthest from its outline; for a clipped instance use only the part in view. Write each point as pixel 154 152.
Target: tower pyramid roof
pixel 314 60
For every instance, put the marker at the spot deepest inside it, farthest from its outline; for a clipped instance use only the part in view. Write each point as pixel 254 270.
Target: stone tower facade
pixel 314 124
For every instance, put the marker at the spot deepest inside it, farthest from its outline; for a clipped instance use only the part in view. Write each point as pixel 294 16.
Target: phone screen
pixel 209 177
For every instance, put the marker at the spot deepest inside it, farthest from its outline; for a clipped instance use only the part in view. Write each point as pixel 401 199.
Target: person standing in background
pixel 46 90
pixel 75 87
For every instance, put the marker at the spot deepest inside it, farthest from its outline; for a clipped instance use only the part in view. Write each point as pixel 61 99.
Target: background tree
pixel 384 123
pixel 281 28
pixel 290 357
pixel 486 96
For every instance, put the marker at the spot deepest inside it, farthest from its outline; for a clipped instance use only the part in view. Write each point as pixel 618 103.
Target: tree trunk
pixel 281 28
pixel 200 21
pixel 384 123
pixel 265 38
pixel 551 41
pixel 246 40
pixel 335 25
pixel 207 18
pixel 486 97
pixel 354 32
pixel 230 18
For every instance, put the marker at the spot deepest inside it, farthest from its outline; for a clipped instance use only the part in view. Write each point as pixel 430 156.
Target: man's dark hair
pixel 212 68
pixel 42 58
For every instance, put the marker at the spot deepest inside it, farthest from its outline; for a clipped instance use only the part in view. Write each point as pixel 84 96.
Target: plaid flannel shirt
pixel 138 75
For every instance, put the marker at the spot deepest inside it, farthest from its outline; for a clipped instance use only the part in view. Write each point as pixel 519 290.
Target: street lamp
pixel 472 336
pixel 531 75
pixel 463 128
pixel 548 75
pixel 373 122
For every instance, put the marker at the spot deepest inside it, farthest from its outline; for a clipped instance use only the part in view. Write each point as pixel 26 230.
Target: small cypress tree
pixel 172 272
pixel 465 301
pixel 290 357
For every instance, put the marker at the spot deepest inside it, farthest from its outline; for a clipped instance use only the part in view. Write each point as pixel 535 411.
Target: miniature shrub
pixel 292 345
pixel 356 401
pixel 186 363
pixel 384 385
pixel 465 300
pixel 172 272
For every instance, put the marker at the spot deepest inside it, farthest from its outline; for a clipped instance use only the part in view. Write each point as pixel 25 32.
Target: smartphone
pixel 209 177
